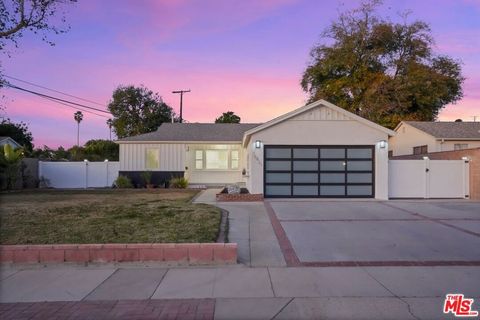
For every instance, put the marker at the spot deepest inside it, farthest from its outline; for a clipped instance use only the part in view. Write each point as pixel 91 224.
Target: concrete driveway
pixel 419 232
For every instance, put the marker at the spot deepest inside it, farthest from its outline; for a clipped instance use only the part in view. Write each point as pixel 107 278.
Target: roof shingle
pixel 448 130
pixel 195 132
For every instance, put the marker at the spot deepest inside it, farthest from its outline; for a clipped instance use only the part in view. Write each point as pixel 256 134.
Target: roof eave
pixel 180 142
pixel 458 139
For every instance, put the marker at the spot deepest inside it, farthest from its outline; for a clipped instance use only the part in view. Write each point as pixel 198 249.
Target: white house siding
pixel 214 177
pixel 408 137
pixel 171 156
pixel 317 127
pixel 450 144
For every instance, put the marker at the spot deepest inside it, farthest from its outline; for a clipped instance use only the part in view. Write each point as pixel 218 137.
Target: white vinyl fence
pixel 79 174
pixel 428 179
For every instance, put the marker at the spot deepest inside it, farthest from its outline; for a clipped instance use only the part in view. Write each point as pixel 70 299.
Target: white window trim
pixel 229 160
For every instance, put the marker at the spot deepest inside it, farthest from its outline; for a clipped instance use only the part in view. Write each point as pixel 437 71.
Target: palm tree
pixel 78 116
pixel 110 124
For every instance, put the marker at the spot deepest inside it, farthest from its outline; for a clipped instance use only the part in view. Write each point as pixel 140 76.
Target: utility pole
pixel 474 118
pixel 181 102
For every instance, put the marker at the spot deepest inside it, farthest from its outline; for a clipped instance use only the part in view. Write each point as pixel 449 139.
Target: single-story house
pixel 318 150
pixel 10 141
pixel 422 137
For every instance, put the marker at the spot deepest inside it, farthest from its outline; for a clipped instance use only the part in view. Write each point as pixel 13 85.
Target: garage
pixel 317 151
pixel 323 171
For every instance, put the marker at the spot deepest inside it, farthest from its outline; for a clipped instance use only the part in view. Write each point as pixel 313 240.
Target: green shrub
pixel 147 176
pixel 180 183
pixel 123 182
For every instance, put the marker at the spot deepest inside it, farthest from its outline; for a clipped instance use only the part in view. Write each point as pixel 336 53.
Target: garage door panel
pixel 332 153
pixel 305 190
pixel 359 178
pixel 319 171
pixel 279 153
pixel 332 165
pixel 278 177
pixel 332 190
pixel 305 177
pixel 363 190
pixel 305 165
pixel 274 190
pixel 359 153
pixel 272 165
pixel 305 153
pixel 359 165
pixel 332 177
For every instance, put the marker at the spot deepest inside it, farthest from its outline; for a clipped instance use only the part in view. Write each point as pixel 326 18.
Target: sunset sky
pixel 246 56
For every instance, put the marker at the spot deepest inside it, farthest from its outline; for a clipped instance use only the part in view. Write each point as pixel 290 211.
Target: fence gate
pixel 428 179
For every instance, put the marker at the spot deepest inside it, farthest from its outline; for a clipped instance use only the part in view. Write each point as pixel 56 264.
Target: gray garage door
pixel 319 171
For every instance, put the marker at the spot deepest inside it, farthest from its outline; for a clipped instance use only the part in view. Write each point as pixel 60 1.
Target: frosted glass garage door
pixel 319 171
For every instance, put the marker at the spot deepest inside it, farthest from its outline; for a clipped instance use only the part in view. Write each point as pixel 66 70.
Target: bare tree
pixel 18 16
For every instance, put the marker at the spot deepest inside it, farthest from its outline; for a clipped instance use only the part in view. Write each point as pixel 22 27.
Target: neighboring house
pixel 10 141
pixel 319 150
pixel 420 137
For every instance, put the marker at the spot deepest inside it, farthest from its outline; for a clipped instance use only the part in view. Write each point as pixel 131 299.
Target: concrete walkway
pixel 256 293
pixel 250 228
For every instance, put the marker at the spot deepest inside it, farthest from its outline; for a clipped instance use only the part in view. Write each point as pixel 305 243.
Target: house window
pixel 152 160
pixel 235 159
pixel 216 159
pixel 198 159
pixel 460 146
pixel 420 149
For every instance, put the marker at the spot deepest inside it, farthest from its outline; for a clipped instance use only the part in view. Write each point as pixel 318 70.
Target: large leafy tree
pixel 228 117
pixel 384 71
pixel 18 132
pixel 137 110
pixel 99 150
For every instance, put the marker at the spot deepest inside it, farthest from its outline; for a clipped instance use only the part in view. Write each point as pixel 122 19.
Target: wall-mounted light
pixel 382 144
pixel 258 144
pixel 85 160
pixel 106 160
pixel 465 158
pixel 426 158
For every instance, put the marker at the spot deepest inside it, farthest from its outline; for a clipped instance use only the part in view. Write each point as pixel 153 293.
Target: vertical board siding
pixel 171 155
pixel 321 114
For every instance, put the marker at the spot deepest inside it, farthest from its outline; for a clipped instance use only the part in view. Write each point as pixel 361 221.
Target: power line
pixel 55 98
pixel 78 108
pixel 53 90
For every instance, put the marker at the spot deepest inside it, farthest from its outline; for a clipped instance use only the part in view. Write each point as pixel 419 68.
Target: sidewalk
pixel 255 293
pixel 250 228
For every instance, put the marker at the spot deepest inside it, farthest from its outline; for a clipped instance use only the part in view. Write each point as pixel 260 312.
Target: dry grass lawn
pixel 105 216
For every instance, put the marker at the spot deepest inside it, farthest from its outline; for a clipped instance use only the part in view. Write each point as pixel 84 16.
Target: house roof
pixel 4 139
pixel 449 130
pixel 310 106
pixel 202 132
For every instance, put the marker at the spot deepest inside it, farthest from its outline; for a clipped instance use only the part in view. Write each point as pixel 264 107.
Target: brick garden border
pixel 179 253
pixel 242 197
